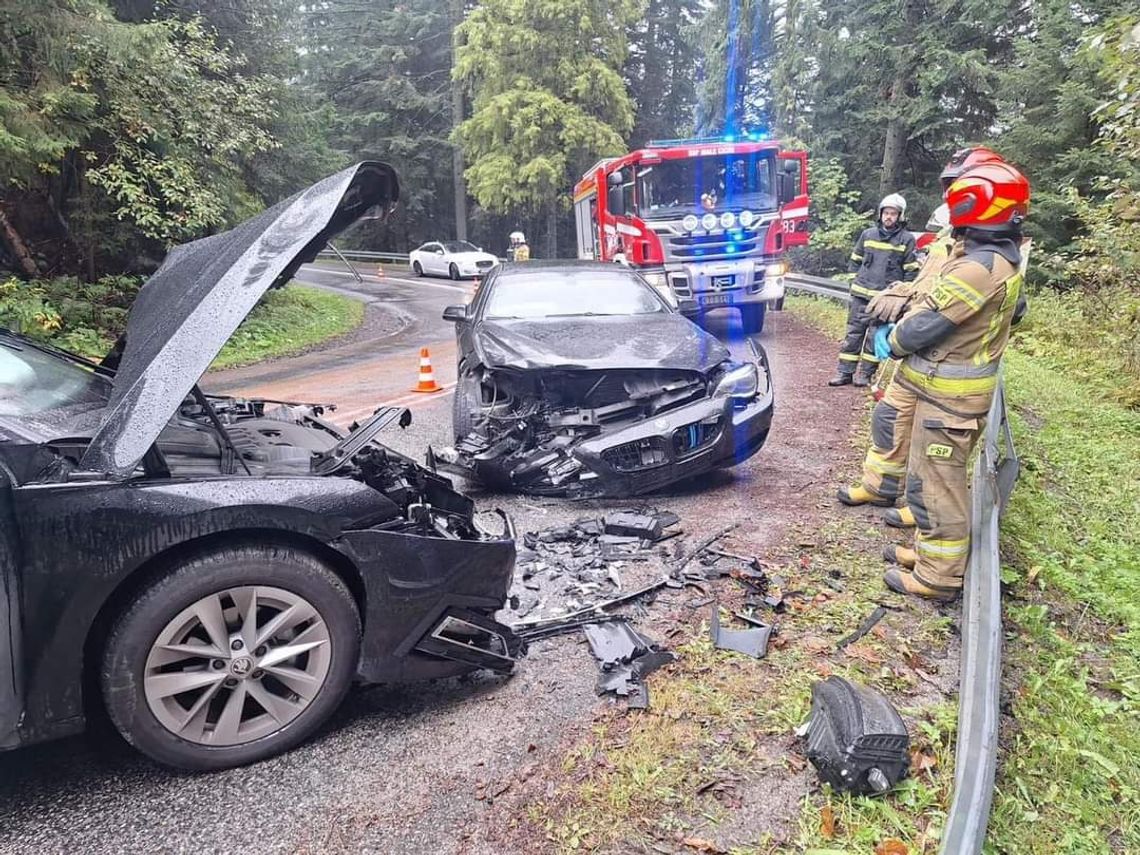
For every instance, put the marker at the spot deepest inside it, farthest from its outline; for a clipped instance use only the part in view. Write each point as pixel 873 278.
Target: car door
pixel 433 253
pixel 11 627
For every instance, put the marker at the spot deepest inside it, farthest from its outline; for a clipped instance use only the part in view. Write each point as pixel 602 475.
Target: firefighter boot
pixel 903 582
pixel 840 379
pixel 899 517
pixel 860 495
pixel 901 555
pixel 863 376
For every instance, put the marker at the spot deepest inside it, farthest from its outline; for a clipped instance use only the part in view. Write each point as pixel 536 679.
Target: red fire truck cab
pixel 706 222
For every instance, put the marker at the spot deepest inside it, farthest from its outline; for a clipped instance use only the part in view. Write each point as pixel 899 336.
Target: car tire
pixel 453 272
pixel 207 723
pixel 417 268
pixel 752 319
pixel 464 403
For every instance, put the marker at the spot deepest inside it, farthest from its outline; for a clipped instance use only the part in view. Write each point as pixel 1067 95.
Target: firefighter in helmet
pixel 883 254
pixel 951 342
pixel 884 469
pixel 519 251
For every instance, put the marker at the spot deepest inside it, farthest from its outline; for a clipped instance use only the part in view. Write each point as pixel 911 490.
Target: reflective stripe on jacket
pixel 879 258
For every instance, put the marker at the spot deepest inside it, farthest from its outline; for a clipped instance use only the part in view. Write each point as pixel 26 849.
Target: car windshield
pixel 570 293
pixel 48 393
pixel 459 246
pixel 674 188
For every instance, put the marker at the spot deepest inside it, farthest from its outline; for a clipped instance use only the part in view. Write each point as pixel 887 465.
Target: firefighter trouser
pixel 937 493
pixel 884 469
pixel 858 348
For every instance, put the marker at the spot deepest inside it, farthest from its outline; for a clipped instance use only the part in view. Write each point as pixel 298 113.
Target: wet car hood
pixel 201 294
pixel 662 340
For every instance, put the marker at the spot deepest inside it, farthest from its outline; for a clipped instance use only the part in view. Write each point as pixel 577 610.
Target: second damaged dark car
pixel 578 379
pixel 214 572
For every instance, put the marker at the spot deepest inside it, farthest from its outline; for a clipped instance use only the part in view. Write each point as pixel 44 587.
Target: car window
pixel 34 383
pixel 562 293
pixel 459 246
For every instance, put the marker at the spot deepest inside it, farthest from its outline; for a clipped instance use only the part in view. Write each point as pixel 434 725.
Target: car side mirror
pixel 455 314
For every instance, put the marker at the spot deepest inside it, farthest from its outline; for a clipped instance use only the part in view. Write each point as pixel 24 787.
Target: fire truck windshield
pixel 674 188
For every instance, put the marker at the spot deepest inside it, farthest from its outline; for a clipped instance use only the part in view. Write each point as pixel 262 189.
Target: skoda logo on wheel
pixel 241 666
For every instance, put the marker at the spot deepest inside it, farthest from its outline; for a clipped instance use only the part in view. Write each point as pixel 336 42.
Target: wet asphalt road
pixel 399 768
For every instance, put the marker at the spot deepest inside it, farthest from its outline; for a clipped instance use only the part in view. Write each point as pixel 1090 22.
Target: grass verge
pixel 289 321
pixel 1071 561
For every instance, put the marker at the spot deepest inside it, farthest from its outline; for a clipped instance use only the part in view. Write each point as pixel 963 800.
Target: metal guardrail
pixel 354 255
pixel 979 682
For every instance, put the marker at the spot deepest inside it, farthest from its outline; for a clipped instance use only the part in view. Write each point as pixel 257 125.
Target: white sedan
pixel 456 259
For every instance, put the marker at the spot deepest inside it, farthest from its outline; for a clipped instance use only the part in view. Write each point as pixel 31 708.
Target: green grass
pixel 1067 780
pixel 288 321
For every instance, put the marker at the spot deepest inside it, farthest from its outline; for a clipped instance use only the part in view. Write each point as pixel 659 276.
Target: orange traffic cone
pixel 427 376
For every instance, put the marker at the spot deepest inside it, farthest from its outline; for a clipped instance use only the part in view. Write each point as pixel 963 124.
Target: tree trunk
pixel 894 145
pixel 460 186
pixel 552 230
pixel 16 246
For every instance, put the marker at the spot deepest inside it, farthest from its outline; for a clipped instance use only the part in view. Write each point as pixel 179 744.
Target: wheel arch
pixel 142 575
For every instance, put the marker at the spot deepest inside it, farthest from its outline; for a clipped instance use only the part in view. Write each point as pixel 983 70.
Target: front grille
pixel 483 265
pixel 639 454
pixel 716 247
pixel 693 437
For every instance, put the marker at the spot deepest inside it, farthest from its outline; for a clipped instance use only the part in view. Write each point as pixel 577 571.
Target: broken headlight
pixel 742 381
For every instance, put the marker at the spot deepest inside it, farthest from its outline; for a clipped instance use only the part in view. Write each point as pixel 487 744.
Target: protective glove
pixel 889 305
pixel 883 342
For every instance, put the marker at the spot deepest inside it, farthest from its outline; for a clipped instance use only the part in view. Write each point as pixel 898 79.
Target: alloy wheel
pixel 237 665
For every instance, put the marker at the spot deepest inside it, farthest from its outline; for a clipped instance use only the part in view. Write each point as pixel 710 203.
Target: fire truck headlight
pixel 747 218
pixel 727 220
pixel 690 223
pixel 708 221
pixel 776 269
pixel 660 284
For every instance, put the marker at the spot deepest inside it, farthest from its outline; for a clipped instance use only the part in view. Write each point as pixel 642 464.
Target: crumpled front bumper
pixel 625 462
pixel 427 597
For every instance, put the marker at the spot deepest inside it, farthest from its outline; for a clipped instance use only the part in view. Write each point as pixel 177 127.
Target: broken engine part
pixel 855 738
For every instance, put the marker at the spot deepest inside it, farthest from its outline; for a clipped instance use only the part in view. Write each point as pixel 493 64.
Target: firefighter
pixel 884 468
pixel 884 253
pixel 951 343
pixel 519 251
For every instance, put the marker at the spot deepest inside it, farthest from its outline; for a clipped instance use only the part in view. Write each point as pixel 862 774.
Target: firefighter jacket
pixel 953 338
pixel 881 257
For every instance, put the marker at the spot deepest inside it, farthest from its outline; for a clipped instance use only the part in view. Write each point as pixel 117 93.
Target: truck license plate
pixel 716 300
pixel 722 281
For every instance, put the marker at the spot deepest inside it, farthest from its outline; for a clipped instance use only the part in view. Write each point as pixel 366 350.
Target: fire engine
pixel 705 221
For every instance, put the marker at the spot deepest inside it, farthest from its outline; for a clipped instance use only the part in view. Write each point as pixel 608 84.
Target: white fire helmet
pixel 517 238
pixel 894 200
pixel 939 218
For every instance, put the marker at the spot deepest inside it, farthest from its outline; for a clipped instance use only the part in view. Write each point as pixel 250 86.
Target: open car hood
pixel 662 340
pixel 201 294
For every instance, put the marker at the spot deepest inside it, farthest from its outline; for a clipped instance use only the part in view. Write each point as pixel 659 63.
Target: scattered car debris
pixel 855 738
pixel 584 558
pixel 866 626
pixel 595 387
pixel 751 642
pixel 626 658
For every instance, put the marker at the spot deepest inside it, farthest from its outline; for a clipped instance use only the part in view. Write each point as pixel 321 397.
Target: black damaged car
pixel 578 379
pixel 214 572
